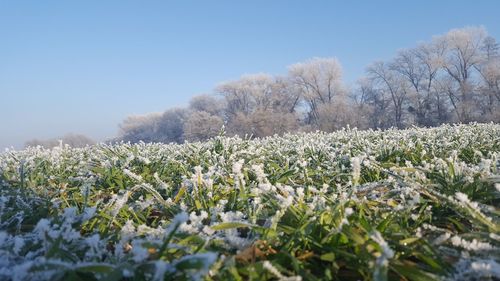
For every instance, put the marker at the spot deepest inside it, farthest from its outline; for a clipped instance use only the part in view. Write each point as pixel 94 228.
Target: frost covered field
pixel 418 204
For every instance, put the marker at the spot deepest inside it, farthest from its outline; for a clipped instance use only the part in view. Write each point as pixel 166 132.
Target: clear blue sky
pixel 83 66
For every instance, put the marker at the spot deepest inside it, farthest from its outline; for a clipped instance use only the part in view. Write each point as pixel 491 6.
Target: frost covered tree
pixel 489 71
pixel 320 82
pixel 336 115
pixel 462 55
pixel 163 127
pixel 137 128
pixel 454 77
pixel 245 94
pixel 362 101
pixel 205 117
pixel 201 125
pixel 171 125
pixel 392 89
pixel 259 105
pixel 419 67
pixel 206 103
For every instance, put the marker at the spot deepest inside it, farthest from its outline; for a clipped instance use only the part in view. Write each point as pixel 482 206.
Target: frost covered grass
pixel 419 204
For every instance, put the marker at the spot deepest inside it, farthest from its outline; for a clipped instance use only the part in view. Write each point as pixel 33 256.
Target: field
pixel 416 204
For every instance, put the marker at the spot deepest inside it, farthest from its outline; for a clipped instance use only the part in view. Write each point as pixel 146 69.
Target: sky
pixel 83 66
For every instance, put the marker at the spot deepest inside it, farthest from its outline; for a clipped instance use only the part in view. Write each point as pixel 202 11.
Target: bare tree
pixel 259 105
pixel 336 115
pixel 286 95
pixel 155 127
pixel 201 125
pixel 490 47
pixel 137 128
pixel 391 86
pixel 206 103
pixel 247 93
pixel 430 55
pixel 320 81
pixel 171 125
pixel 489 71
pixel 463 54
pixel 369 105
pixel 419 67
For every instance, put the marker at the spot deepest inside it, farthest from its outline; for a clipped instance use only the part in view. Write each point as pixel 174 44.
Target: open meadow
pixel 414 204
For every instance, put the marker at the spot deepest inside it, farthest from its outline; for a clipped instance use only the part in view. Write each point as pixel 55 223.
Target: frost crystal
pixel 356 169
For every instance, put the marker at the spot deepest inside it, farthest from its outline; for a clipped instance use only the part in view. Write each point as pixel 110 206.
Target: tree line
pixel 453 78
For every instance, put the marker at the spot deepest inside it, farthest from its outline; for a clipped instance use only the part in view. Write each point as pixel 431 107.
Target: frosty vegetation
pixel 453 78
pixel 416 204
